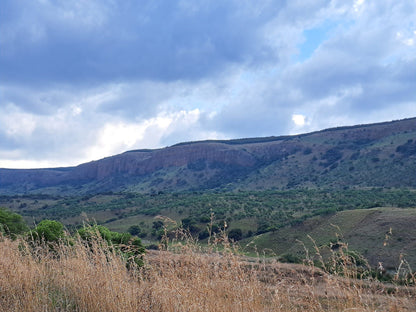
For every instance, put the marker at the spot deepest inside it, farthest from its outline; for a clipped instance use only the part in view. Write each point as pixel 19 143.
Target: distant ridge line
pixel 284 137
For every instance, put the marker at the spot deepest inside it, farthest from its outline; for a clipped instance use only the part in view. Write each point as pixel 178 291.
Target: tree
pixel 131 248
pixel 135 230
pixel 11 223
pixel 49 230
pixel 235 234
pixel 89 233
pixel 157 225
pixel 190 225
pixel 204 234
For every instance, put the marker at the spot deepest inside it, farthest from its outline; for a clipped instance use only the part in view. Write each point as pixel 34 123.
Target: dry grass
pixel 183 278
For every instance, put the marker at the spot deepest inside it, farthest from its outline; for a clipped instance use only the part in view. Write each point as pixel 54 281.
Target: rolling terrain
pixel 375 155
pixel 381 235
pixel 356 184
pixel 376 223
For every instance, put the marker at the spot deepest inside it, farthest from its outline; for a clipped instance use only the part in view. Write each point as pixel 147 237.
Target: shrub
pixel 235 234
pixel 49 230
pixel 91 232
pixel 204 234
pixel 332 155
pixel 135 230
pixel 11 223
pixel 290 258
pixel 131 248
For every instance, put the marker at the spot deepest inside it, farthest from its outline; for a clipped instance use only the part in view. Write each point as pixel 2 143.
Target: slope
pixel 375 155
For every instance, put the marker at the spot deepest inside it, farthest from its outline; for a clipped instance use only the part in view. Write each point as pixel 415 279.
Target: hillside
pixel 381 235
pixel 374 155
pixel 271 221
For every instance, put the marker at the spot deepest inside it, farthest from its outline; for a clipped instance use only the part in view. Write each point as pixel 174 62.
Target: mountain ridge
pixel 370 155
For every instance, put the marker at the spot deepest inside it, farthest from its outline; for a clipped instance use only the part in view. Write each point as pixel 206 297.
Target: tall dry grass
pixel 183 277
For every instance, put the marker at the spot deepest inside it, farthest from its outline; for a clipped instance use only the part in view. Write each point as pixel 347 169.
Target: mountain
pixel 362 156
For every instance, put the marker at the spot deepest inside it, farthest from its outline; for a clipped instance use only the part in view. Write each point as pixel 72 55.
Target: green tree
pixel 157 225
pixel 49 230
pixel 121 238
pixel 204 234
pixel 235 234
pixel 130 247
pixel 135 230
pixel 98 231
pixel 94 231
pixel 11 223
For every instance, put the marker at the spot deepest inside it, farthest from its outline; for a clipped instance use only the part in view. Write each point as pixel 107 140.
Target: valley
pixel 276 195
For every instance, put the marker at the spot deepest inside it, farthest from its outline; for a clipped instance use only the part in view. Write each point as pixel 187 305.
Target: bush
pixel 290 258
pixel 204 234
pixel 332 155
pixel 135 230
pixel 11 223
pixel 49 230
pixel 91 232
pixel 235 234
pixel 120 238
pixel 130 248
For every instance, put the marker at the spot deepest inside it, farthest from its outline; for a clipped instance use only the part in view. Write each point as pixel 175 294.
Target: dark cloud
pixel 260 109
pixel 124 40
pixel 393 85
pixel 81 80
pixel 41 101
pixel 137 101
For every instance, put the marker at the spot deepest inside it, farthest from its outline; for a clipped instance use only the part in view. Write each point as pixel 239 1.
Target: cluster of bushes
pixel 264 210
pixel 11 223
pixel 52 232
pixel 408 149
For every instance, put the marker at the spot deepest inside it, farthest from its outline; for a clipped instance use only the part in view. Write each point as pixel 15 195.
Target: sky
pixel 82 80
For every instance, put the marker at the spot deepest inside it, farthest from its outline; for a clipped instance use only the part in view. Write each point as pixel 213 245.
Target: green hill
pixel 375 155
pixel 275 222
pixel 272 192
pixel 383 235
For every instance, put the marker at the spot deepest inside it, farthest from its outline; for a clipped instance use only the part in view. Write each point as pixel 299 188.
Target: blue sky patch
pixel 314 37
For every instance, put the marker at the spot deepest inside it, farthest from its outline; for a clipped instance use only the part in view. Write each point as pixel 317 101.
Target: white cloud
pixel 119 136
pixel 408 40
pixel 76 110
pixel 15 122
pixel 298 119
pixel 358 5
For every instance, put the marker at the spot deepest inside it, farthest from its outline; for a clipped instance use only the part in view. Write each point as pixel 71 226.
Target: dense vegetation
pixel 51 234
pixel 268 220
pixel 264 211
pixel 11 223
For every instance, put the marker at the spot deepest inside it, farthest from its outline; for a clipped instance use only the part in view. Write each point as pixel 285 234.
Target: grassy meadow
pixel 273 222
pixel 183 276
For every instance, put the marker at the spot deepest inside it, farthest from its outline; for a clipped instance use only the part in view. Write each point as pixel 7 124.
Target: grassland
pixel 182 277
pixel 379 234
pixel 276 222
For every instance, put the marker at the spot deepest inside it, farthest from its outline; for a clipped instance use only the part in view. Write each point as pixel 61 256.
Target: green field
pixel 272 222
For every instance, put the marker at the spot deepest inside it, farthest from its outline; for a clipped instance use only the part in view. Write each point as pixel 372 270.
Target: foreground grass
pixel 93 277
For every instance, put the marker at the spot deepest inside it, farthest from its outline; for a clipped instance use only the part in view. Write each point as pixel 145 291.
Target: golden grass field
pixel 182 277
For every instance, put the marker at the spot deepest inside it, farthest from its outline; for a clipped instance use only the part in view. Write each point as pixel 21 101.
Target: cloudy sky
pixel 82 80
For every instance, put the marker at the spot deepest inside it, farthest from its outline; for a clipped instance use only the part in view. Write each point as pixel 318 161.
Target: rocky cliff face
pixel 366 155
pixel 137 163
